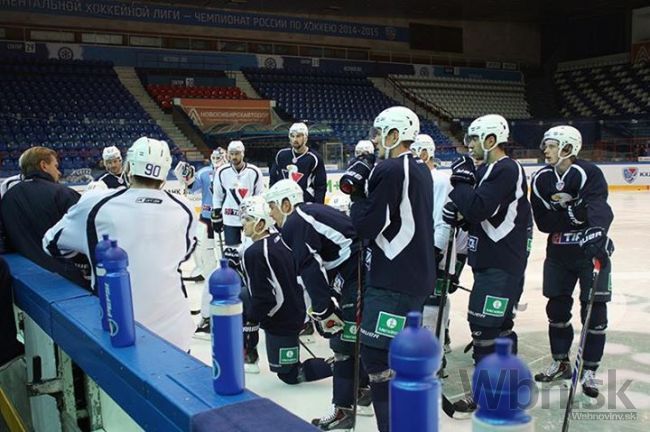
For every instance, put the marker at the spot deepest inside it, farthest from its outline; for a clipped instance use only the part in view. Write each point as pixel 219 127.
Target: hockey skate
pixel 203 330
pixel 558 370
pixel 589 383
pixel 364 402
pixel 251 362
pixel 339 419
pixel 465 406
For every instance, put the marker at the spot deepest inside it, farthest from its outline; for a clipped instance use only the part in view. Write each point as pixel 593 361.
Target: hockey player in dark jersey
pixel 301 164
pixel 273 298
pixel 325 246
pixel 114 177
pixel 569 202
pixel 397 217
pixel 492 201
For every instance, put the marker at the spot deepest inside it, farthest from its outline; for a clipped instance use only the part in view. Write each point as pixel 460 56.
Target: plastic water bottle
pixel 227 331
pixel 502 386
pixel 119 305
pixel 415 356
pixel 100 272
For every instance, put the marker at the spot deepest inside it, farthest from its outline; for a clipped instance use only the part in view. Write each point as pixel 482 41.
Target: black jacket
pixel 28 210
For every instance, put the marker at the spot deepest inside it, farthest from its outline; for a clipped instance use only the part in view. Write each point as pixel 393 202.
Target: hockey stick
pixel 220 242
pixel 447 406
pixel 302 344
pixel 577 368
pixel 357 341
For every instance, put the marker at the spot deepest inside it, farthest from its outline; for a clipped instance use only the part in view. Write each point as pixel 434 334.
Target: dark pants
pixel 9 345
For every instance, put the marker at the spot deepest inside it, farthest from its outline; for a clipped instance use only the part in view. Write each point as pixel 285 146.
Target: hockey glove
pixel 577 212
pixel 353 181
pixel 596 244
pixel 217 220
pixel 185 173
pixel 463 171
pixel 451 216
pixel 330 320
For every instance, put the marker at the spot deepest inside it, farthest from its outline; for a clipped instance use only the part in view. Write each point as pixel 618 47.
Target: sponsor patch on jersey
pixel 389 324
pixel 566 238
pixel 495 306
pixel 349 331
pixel 147 200
pixel 289 356
pixel 472 243
pixel 231 212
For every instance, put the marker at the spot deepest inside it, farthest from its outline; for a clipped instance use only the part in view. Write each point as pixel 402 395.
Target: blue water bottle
pixel 503 390
pixel 414 394
pixel 100 272
pixel 119 305
pixel 227 331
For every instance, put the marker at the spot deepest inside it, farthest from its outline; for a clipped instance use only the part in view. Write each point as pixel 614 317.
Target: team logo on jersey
pixel 472 243
pixel 559 185
pixel 293 175
pixel 562 198
pixel 630 174
pixel 239 193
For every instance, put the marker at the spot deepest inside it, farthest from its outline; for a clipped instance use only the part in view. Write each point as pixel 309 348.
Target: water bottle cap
pixel 113 243
pixel 104 237
pixel 414 319
pixel 224 263
pixel 503 346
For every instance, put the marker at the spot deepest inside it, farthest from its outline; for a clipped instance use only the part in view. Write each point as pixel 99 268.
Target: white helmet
pixel 424 142
pixel 236 146
pixel 111 153
pixel 254 206
pixel 484 126
pixel 149 158
pixel 364 147
pixel 285 188
pixel 298 128
pixel 401 118
pixel 341 202
pixel 565 136
pixel 217 157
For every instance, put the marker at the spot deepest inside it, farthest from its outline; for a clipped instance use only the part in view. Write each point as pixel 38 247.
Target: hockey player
pixel 155 228
pixel 301 164
pixel 425 148
pixel 232 183
pixel 364 147
pixel 570 204
pixel 274 299
pixel 493 202
pixel 324 246
pixel 397 216
pixel 114 177
pixel 205 256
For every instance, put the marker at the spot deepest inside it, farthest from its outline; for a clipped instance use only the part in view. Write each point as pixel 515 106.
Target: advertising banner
pixel 206 113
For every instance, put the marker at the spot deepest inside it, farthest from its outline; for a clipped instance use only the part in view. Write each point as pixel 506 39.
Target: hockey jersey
pixel 310 173
pixel 156 229
pixel 230 187
pixel 397 216
pixel 498 213
pixel 322 239
pixel 9 182
pixel 276 299
pixel 552 193
pixel 203 183
pixel 112 181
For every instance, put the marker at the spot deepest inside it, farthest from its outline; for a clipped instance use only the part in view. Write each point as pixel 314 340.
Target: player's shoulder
pixel 314 153
pixel 206 169
pixel 223 168
pixel 586 166
pixel 253 167
pixel 102 176
pixel 283 153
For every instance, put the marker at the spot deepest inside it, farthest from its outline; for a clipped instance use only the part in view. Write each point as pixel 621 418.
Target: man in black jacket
pixel 34 205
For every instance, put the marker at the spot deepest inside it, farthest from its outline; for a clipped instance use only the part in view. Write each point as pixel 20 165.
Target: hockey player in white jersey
pixel 114 177
pixel 155 227
pixel 232 183
pixel 205 255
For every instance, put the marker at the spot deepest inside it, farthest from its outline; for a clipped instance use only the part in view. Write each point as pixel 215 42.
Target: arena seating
pixel 464 98
pixel 604 90
pixel 75 107
pixel 348 101
pixel 164 94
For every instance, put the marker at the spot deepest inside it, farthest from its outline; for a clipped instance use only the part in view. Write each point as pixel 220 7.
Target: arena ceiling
pixel 490 10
